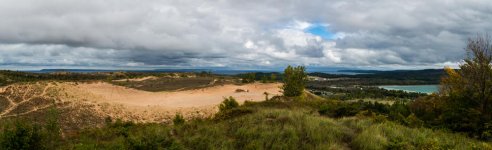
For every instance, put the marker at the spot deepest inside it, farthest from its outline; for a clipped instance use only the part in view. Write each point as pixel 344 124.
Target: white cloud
pixel 127 33
pixel 300 25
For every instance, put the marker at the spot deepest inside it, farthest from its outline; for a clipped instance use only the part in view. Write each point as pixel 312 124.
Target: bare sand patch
pixel 138 79
pixel 143 106
pixel 88 104
pixel 210 96
pixel 102 99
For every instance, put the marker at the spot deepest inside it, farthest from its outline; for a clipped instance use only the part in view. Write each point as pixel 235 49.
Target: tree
pixel 468 91
pixel 273 77
pixel 264 79
pixel 294 81
pixel 249 77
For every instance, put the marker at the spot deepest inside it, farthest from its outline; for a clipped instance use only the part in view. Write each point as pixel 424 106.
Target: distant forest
pixel 373 77
pixel 366 77
pixel 8 77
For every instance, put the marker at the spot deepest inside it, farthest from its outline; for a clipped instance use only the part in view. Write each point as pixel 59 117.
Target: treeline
pixel 360 92
pixel 260 76
pixel 367 81
pixel 399 77
pixel 9 77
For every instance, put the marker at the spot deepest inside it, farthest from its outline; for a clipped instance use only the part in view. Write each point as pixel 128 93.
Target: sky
pixel 253 34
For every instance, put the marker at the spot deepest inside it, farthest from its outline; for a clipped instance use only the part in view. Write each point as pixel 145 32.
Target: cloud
pixel 254 34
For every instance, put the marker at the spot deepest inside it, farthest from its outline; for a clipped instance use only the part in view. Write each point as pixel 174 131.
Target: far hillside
pixel 148 81
pixel 373 77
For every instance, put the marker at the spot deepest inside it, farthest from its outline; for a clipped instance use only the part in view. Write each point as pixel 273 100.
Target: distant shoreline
pixel 429 90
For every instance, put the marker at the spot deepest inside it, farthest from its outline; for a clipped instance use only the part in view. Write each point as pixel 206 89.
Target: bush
pixel 262 125
pixel 232 113
pixel 21 135
pixel 228 103
pixel 388 135
pixel 125 135
pixel 266 129
pixel 413 121
pixel 178 119
pixel 151 138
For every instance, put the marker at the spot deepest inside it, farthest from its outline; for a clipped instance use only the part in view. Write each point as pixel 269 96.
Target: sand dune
pixel 143 106
pixel 138 79
pixel 210 96
pixel 106 100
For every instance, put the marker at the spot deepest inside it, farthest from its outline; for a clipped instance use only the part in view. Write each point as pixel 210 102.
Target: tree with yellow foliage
pixel 468 91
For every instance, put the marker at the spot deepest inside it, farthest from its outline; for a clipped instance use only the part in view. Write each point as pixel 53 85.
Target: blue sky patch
pixel 321 30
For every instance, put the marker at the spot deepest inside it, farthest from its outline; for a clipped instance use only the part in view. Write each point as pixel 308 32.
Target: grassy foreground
pixel 255 125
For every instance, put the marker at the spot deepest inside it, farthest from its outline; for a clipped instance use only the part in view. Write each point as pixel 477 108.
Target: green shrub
pixel 108 120
pixel 228 103
pixel 151 138
pixel 52 128
pixel 267 129
pixel 413 121
pixel 125 135
pixel 389 135
pixel 232 113
pixel 270 124
pixel 178 119
pixel 21 135
pixel 18 133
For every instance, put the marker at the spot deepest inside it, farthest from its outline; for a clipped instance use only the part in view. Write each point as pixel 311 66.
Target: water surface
pixel 413 88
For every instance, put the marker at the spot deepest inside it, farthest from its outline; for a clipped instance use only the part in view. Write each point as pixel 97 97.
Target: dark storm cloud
pixel 237 33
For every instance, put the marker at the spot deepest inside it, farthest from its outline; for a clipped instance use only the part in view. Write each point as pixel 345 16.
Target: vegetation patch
pixel 4 103
pixel 273 124
pixel 172 84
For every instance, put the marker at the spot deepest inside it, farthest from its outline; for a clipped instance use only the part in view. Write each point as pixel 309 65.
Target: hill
pixel 280 123
pixel 373 77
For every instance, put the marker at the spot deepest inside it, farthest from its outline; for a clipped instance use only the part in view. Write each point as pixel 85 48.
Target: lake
pixel 413 88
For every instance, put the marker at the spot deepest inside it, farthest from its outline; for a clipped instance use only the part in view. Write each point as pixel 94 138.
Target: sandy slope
pixel 101 100
pixel 143 106
pixel 180 99
pixel 138 79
